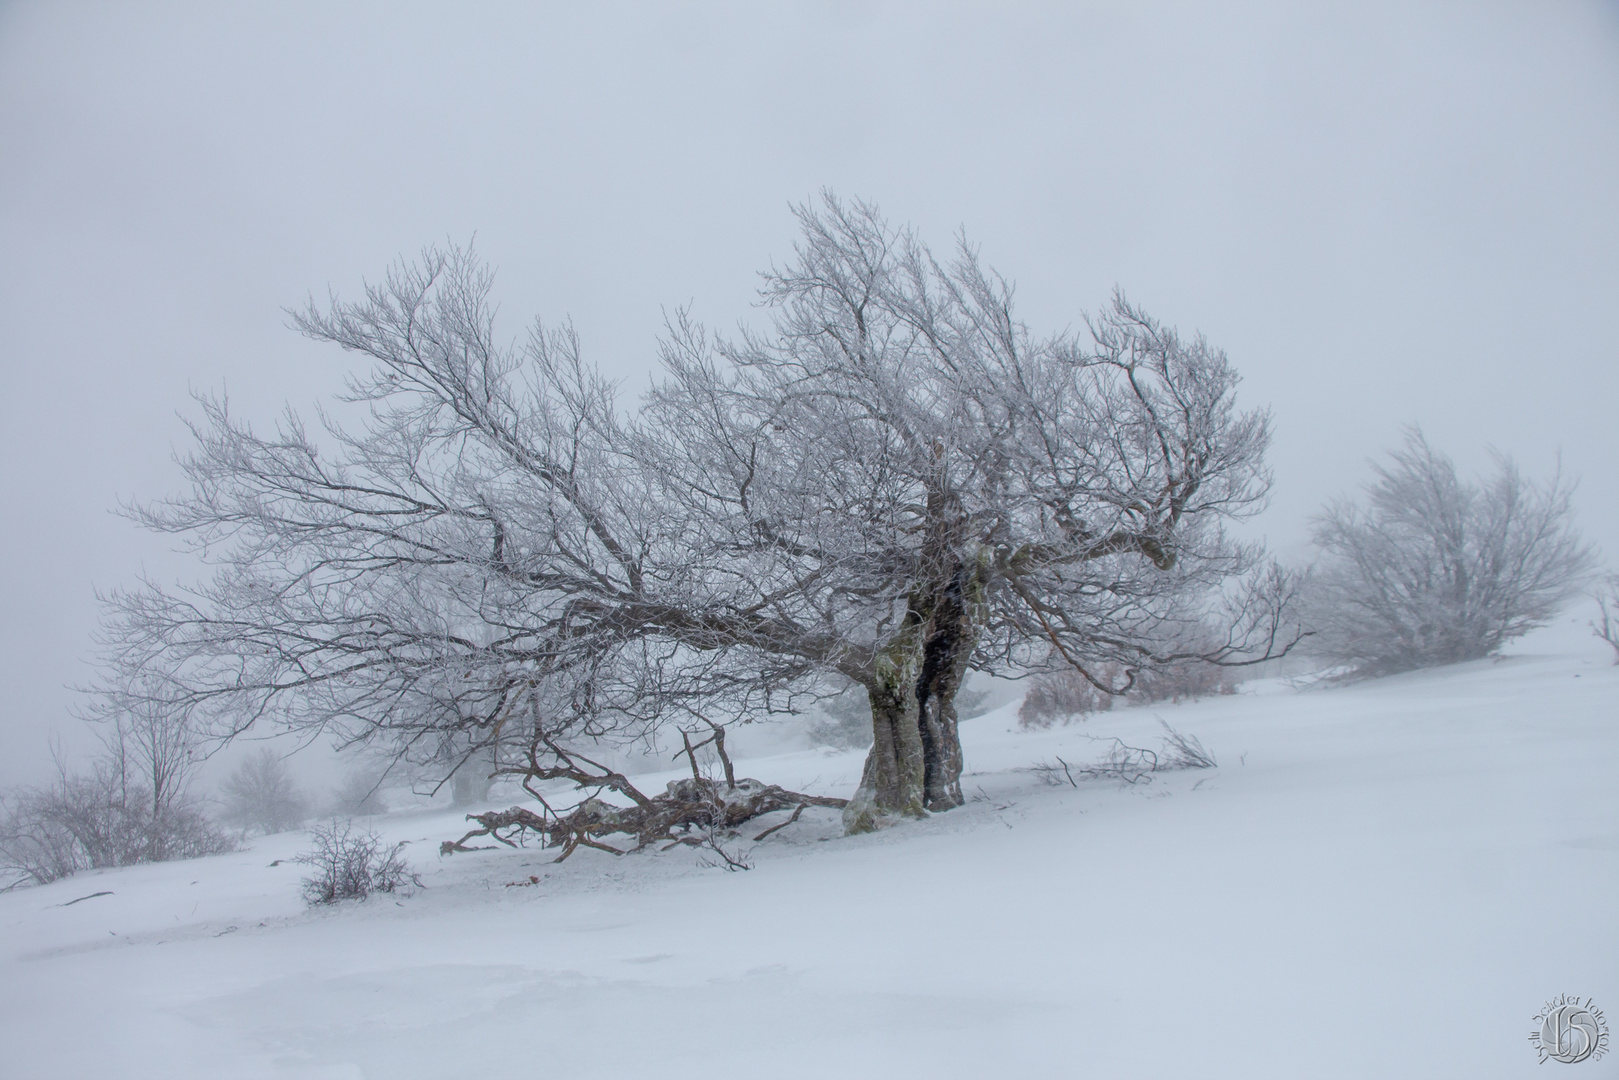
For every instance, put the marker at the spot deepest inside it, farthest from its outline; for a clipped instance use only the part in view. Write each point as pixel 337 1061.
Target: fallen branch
pixel 731 863
pixel 1132 764
pixel 689 812
pixel 686 813
pixel 774 828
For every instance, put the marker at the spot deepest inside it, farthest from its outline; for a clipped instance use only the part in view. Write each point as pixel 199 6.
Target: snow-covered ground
pixel 1382 880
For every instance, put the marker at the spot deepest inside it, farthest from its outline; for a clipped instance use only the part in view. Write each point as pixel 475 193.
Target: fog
pixel 1385 215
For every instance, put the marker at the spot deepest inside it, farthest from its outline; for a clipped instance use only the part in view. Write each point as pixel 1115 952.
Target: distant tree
pixel 473 780
pixel 261 795
pixel 842 720
pixel 360 794
pixel 1433 569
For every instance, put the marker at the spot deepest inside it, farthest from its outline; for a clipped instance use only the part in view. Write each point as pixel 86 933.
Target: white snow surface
pixel 1386 879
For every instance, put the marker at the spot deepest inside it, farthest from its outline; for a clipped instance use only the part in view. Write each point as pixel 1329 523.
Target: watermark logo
pixel 1570 1030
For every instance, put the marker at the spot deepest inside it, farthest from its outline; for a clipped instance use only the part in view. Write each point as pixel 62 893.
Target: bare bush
pixel 351 863
pixel 1063 695
pixel 34 847
pixel 261 795
pixel 1183 751
pixel 1436 570
pixel 133 804
pixel 1606 624
pixel 100 818
pixel 728 861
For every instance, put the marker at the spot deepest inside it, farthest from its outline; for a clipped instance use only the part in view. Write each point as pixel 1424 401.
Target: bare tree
pixel 1434 569
pixel 260 794
pixel 901 482
pixel 896 483
pixel 151 757
pixel 360 793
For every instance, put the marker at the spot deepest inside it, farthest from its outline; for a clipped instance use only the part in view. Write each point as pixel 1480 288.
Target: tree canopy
pixel 894 479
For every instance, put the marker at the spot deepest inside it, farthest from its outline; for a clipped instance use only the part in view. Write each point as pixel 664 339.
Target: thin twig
pixel 783 825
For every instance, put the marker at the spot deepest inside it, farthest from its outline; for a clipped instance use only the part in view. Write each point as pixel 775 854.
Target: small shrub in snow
pixel 1061 695
pixel 351 864
pixel 35 846
pixel 728 861
pixel 1183 751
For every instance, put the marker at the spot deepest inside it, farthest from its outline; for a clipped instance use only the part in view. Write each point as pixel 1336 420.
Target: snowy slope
pixel 1382 880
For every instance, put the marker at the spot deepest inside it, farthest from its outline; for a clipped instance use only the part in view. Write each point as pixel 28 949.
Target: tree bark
pixel 892 783
pixel 952 635
pixel 915 761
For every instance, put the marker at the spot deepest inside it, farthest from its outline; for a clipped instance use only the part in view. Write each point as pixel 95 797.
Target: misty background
pixel 1385 215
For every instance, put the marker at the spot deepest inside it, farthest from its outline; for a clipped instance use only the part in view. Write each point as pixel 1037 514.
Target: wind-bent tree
pixel 916 485
pixel 1434 569
pixel 896 480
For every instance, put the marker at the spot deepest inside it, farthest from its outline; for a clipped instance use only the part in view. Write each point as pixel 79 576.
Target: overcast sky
pixel 1384 215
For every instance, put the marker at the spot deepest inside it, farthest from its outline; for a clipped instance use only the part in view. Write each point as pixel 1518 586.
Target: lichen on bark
pixel 891 784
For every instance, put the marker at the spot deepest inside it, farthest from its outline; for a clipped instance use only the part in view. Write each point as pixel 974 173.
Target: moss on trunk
pixel 915 762
pixel 892 782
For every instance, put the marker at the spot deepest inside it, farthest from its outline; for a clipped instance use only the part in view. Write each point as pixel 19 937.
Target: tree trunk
pixel 471 782
pixel 892 783
pixel 952 635
pixel 915 761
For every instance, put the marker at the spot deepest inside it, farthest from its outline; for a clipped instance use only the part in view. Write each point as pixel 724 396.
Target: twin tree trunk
pixel 915 761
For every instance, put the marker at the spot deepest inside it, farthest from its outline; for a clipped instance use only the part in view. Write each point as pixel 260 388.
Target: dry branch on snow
pixel 690 811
